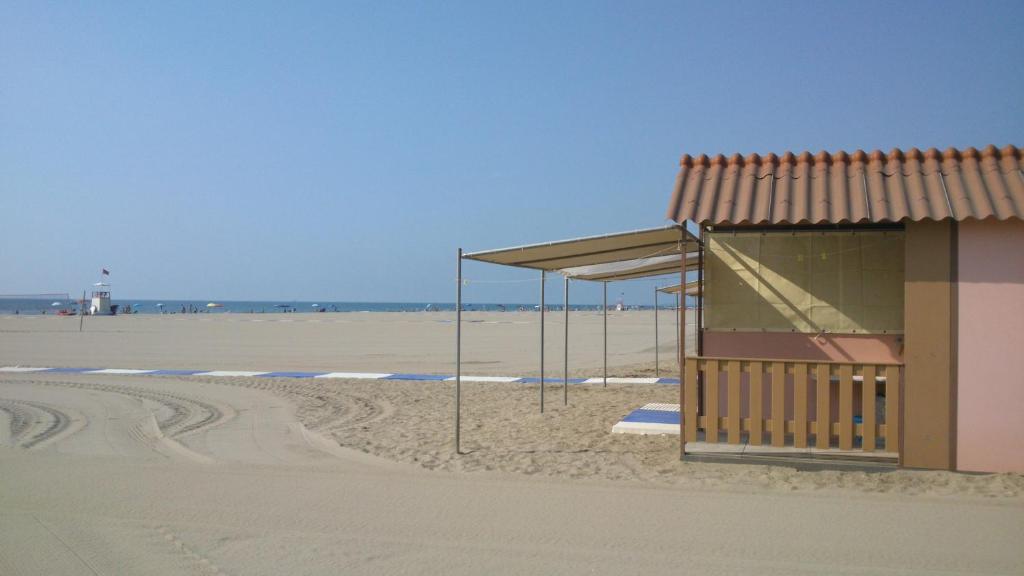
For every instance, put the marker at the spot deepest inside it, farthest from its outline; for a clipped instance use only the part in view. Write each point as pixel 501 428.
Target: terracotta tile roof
pixel 850 188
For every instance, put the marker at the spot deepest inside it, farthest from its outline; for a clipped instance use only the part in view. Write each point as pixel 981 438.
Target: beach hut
pixel 859 303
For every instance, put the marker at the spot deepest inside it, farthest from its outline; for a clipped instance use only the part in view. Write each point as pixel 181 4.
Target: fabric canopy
pixel 628 269
pixel 692 289
pixel 565 254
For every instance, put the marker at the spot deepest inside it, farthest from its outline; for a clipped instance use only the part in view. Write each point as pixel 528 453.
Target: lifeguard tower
pixel 100 305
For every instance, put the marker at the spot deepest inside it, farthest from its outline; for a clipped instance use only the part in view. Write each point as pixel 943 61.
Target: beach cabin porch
pixel 801 340
pixel 833 310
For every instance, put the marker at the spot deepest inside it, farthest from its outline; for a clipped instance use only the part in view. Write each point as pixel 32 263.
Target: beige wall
pixel 990 362
pixel 844 282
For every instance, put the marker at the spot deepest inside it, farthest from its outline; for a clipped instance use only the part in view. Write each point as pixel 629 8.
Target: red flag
pixel 106 272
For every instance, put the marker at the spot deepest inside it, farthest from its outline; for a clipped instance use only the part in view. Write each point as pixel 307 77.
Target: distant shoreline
pixel 156 307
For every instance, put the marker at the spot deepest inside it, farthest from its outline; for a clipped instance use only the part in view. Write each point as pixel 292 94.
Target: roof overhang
pixel 592 250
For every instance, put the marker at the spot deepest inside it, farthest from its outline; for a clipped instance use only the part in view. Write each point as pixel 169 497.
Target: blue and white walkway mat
pixel 342 375
pixel 650 419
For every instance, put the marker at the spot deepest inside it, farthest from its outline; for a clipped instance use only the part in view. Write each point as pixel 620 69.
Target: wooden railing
pixel 759 398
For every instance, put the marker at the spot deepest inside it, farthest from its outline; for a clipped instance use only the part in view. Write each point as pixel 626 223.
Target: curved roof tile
pixel 858 187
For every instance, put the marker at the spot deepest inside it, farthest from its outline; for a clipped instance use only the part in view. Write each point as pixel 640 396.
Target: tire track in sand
pixel 324 408
pixel 183 415
pixel 33 423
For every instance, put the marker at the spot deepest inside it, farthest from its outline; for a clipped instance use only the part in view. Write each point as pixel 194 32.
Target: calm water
pixel 39 306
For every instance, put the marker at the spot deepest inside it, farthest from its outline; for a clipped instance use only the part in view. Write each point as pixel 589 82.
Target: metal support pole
pixel 657 364
pixel 565 373
pixel 543 279
pixel 682 352
pixel 81 311
pixel 605 334
pixel 700 295
pixel 458 355
pixel 679 297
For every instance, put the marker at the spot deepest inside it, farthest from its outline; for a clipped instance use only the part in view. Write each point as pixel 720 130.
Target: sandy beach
pixel 494 343
pixel 107 474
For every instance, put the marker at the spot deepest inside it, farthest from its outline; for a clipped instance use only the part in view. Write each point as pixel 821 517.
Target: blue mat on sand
pixel 175 372
pixel 70 370
pixel 653 417
pixel 416 377
pixel 551 380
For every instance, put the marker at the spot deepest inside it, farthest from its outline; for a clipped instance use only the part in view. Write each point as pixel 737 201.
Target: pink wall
pixel 786 345
pixel 990 342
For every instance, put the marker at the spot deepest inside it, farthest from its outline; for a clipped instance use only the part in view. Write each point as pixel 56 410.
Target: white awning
pixel 692 289
pixel 592 250
pixel 629 269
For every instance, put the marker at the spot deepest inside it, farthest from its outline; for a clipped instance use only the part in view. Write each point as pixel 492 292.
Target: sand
pixel 494 343
pixel 103 474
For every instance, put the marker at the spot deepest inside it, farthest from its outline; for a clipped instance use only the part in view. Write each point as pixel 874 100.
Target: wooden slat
pixel 690 401
pixel 800 405
pixel 790 360
pixel 711 401
pixel 823 428
pixel 756 403
pixel 892 408
pixel 867 400
pixel 823 415
pixel 778 404
pixel 732 428
pixel 846 407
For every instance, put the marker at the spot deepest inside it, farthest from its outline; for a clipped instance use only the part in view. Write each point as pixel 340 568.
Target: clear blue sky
pixel 343 151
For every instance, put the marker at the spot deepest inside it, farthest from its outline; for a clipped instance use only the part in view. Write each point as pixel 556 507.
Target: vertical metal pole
pixel 565 373
pixel 679 297
pixel 682 286
pixel 81 312
pixel 657 364
pixel 682 352
pixel 543 278
pixel 458 355
pixel 700 294
pixel 605 310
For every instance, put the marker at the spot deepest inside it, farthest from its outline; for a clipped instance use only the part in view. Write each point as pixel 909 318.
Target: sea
pixel 53 306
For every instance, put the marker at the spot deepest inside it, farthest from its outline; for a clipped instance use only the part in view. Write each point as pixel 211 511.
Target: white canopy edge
pixel 631 269
pixel 590 250
pixel 692 289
